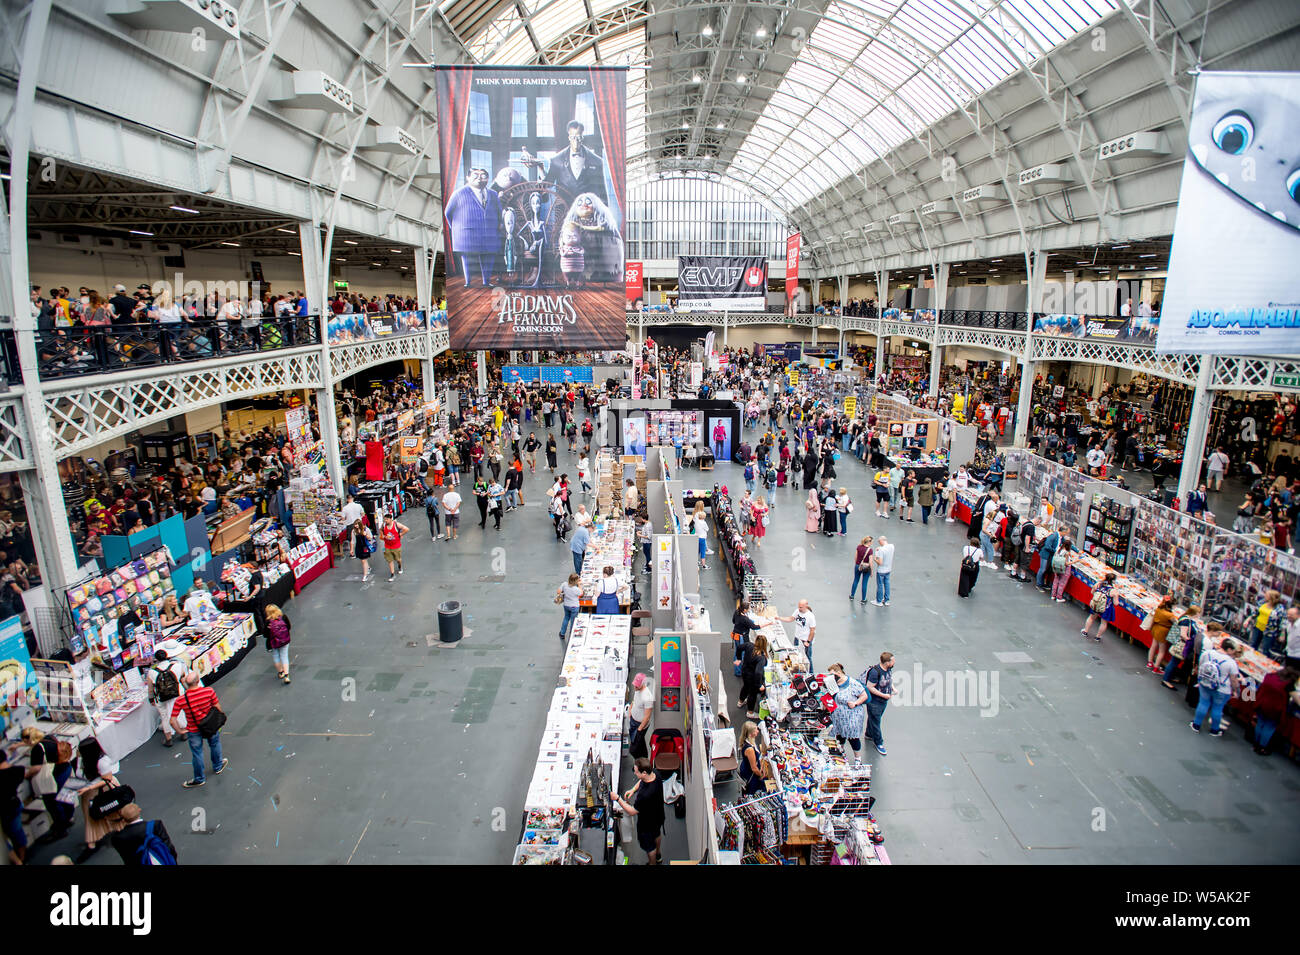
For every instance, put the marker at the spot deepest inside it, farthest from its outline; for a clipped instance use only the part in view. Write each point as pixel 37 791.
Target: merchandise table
pixel 1133 600
pixel 586 715
pixel 1252 668
pixel 935 472
pixel 217 651
pixel 124 736
pixel 611 545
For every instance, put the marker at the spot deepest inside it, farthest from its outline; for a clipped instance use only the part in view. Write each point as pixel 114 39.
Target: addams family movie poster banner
pixel 1234 270
pixel 534 196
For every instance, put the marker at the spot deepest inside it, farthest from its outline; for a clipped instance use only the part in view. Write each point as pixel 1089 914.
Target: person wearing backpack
pixel 1047 558
pixel 143 843
pixel 1102 606
pixel 277 641
pixel 749 475
pixel 164 679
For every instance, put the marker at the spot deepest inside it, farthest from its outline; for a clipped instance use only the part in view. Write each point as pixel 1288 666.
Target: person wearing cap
pixel 122 305
pixel 638 713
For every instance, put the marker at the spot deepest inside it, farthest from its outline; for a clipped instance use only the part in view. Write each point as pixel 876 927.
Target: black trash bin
pixel 451 626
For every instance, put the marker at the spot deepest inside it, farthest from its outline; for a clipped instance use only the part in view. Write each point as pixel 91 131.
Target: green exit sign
pixel 1281 380
pixel 340 286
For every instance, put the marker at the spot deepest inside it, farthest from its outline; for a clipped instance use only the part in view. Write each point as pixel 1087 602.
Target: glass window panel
pixel 545 124
pixel 480 117
pixel 481 159
pixel 553 20
pixel 584 111
pixel 519 117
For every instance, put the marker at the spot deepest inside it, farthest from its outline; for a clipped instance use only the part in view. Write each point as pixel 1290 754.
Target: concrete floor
pixel 1087 760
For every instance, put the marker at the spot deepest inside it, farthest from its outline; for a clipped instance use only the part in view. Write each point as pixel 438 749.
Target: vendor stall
pixel 580 754
pixel 611 545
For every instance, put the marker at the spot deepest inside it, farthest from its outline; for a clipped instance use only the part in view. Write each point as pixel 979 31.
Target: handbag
pixel 108 801
pixel 850 507
pixel 1149 620
pixel 211 723
pixel 43 783
pixel 559 599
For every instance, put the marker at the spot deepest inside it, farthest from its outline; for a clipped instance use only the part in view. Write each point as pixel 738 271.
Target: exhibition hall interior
pixel 665 342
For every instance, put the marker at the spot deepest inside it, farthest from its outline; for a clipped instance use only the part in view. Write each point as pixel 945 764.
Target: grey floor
pixel 1087 759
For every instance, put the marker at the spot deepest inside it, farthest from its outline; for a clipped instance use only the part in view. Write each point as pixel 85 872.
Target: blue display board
pixel 549 374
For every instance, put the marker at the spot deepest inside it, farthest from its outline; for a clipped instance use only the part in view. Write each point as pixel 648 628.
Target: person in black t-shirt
pixel 45 749
pixel 742 628
pixel 645 802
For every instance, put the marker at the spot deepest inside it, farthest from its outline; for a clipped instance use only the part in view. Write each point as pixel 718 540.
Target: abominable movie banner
pixel 1234 284
pixel 534 193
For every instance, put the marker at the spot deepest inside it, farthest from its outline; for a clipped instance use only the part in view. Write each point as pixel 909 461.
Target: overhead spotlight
pixel 721 126
pixel 695 77
pixel 741 79
pixel 686 125
pixel 708 29
pixel 760 32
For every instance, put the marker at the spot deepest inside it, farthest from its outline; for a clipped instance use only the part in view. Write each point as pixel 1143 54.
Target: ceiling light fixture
pixel 299 254
pixel 394 250
pixel 1148 255
pixel 708 29
pixel 235 244
pixel 695 77
pixel 279 229
pixel 760 32
pixel 721 126
pixel 139 232
pixel 1120 246
pixel 192 212
pixel 686 125
pixel 349 242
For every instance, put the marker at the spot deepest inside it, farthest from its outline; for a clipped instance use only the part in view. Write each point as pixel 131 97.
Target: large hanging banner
pixel 633 281
pixel 1234 285
pixel 714 283
pixel 534 191
pixel 793 246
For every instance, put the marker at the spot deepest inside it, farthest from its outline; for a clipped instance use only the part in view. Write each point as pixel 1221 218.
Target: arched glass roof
pixel 867 76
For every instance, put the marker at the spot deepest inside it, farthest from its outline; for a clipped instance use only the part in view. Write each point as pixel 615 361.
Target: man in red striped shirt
pixel 196 703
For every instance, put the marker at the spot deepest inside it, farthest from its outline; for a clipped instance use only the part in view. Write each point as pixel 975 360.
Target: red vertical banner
pixel 793 245
pixel 633 281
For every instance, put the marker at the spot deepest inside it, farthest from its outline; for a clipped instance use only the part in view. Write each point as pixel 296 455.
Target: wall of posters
pixel 534 194
pixel 709 283
pixel 1233 285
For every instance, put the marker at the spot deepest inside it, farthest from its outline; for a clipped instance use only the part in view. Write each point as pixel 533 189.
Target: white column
pixel 1198 426
pixel 423 280
pixel 1025 404
pixel 936 363
pixel 882 300
pixel 726 326
pixel 314 276
pixel 482 373
pixel 42 490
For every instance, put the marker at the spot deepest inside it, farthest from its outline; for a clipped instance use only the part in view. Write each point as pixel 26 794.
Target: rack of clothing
pixel 756 829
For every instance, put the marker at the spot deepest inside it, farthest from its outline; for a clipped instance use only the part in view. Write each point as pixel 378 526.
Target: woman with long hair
pixel 751 674
pixel 363 543
pixel 1102 606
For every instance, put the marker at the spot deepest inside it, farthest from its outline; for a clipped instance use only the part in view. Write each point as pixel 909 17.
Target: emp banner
pixel 534 192
pixel 710 283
